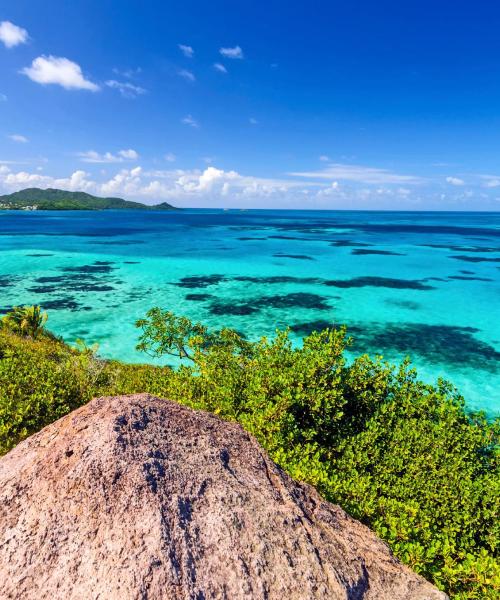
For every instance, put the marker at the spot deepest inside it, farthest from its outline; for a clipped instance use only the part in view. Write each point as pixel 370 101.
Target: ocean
pixel 417 284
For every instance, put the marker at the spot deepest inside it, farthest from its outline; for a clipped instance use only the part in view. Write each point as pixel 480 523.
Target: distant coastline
pixel 31 199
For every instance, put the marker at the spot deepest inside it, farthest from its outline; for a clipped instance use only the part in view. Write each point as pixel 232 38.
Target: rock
pixel 141 498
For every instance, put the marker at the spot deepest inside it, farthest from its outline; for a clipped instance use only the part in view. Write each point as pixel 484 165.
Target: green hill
pixel 52 199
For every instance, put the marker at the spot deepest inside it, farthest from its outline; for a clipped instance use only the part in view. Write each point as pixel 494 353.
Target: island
pixel 53 199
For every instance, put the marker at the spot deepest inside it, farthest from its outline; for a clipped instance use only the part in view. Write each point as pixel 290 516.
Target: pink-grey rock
pixel 135 497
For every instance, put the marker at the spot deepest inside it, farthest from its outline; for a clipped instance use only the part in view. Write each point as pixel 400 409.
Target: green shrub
pixel 402 456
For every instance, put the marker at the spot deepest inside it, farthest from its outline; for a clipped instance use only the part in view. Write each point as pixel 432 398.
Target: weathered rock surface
pixel 137 497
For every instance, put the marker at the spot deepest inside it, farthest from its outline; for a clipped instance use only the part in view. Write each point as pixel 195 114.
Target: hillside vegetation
pixel 52 199
pixel 400 455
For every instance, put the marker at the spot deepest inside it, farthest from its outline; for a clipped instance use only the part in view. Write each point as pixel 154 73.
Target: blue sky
pixel 267 104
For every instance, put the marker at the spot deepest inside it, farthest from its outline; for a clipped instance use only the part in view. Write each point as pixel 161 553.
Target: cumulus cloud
pixel 359 174
pixel 235 52
pixel 91 156
pixel 253 121
pixel 126 89
pixel 20 139
pixel 128 73
pixel 455 181
pixel 186 50
pixel 324 158
pixel 189 120
pixel 187 75
pixel 490 181
pixel 3 98
pixel 220 67
pixel 12 35
pixel 170 157
pixel 211 185
pixel 59 71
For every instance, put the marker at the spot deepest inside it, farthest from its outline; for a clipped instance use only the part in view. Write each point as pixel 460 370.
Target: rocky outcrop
pixel 139 498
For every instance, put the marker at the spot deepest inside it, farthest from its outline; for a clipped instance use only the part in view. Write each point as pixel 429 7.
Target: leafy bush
pixel 402 456
pixel 25 320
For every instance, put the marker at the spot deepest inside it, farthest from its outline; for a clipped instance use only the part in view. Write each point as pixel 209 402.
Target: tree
pixel 26 320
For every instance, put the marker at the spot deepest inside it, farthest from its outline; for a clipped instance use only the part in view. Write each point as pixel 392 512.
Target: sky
pixel 315 105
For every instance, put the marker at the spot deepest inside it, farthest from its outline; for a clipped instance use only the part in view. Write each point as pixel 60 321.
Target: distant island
pixel 52 199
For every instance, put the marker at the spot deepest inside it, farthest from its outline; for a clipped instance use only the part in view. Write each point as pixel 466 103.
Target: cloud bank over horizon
pixel 213 187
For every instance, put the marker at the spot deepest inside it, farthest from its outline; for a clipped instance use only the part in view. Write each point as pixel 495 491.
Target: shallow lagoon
pixel 420 284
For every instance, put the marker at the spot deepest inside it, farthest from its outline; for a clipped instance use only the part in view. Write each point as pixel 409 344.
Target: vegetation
pixel 26 320
pixel 52 199
pixel 402 456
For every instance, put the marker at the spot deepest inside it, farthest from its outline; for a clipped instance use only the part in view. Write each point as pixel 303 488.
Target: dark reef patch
pixel 288 237
pixel 305 329
pixel 387 282
pixel 7 281
pixel 198 297
pixel 61 304
pixel 279 301
pixel 349 244
pixel 131 262
pixel 250 239
pixel 95 268
pixel 361 252
pixel 409 304
pixel 475 259
pixel 295 256
pixel 297 300
pixel 200 281
pixel 445 344
pixel 277 279
pixel 119 242
pixel 232 308
pixel 484 249
pixel 38 255
pixel 469 278
pixel 75 287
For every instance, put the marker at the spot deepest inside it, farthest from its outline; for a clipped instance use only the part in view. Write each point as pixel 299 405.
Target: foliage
pixel 400 455
pixel 25 320
pixel 52 199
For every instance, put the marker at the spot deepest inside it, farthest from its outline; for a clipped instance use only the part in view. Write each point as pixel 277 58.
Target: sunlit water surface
pixel 425 285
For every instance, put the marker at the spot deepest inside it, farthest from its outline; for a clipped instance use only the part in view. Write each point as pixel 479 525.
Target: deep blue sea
pixel 425 285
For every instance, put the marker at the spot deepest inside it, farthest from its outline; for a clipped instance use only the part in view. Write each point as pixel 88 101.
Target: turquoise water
pixel 420 284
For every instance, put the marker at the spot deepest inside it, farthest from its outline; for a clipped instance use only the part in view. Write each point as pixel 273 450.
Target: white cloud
pixel 12 35
pixel 253 121
pixel 359 174
pixel 177 185
pixel 3 98
pixel 324 158
pixel 186 50
pixel 187 75
pixel 91 156
pixel 455 181
pixel 235 52
pixel 58 71
pixel 213 186
pixel 490 181
pixel 128 154
pixel 20 139
pixel 128 73
pixel 170 157
pixel 220 67
pixel 126 89
pixel 189 120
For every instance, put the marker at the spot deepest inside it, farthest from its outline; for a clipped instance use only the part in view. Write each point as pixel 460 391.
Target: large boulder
pixel 137 497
